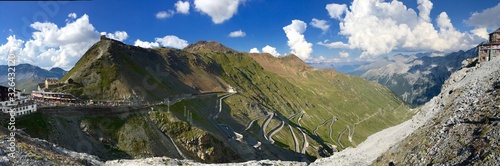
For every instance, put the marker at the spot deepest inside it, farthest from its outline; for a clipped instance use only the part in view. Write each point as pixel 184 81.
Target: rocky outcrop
pixel 34 151
pixel 195 143
pixel 465 130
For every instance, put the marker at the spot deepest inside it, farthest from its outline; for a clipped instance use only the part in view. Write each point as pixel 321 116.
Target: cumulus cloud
pixel 118 35
pixel 343 54
pixel 377 27
pixel 53 46
pixel 219 11
pixel 321 24
pixel 254 50
pixel 237 33
pixel 172 41
pixel 270 50
pixel 296 40
pixel 481 31
pixel 182 7
pixel 487 18
pixel 167 41
pixel 145 44
pixel 336 10
pixel 424 8
pixel 165 14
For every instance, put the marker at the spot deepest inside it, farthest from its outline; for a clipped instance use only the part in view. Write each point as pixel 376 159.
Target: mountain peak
pixel 208 46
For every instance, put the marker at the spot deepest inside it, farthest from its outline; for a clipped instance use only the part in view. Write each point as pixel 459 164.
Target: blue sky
pixel 56 34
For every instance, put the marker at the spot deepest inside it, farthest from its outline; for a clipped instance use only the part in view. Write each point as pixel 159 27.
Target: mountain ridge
pixel 415 78
pixel 28 76
pixel 265 85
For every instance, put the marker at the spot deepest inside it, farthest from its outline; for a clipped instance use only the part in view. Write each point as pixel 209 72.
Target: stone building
pixel 491 49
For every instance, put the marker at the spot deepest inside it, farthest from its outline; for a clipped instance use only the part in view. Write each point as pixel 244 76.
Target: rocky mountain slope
pixel 283 108
pixel 465 129
pixel 28 76
pixel 415 78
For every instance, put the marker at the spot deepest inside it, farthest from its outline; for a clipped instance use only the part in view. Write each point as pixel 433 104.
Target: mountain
pixel 415 78
pixel 463 126
pixel 343 67
pixel 284 109
pixel 28 76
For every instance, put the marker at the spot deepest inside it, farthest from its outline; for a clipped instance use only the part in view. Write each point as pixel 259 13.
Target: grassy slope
pixel 321 95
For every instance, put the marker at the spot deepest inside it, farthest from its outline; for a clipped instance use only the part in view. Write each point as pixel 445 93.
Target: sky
pixel 56 34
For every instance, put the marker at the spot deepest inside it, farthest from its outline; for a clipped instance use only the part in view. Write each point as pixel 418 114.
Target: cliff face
pixel 465 129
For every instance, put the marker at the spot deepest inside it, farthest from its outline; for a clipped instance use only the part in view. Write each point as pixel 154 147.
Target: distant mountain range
pixel 415 78
pixel 28 76
pixel 343 67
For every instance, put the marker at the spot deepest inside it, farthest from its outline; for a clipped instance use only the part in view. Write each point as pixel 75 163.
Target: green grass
pixel 37 124
pixel 109 125
pixel 349 98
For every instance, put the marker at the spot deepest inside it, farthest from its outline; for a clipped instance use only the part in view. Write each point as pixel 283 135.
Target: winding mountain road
pixel 305 144
pixel 266 122
pixel 331 130
pixel 317 127
pixel 275 130
pixel 300 117
pixel 295 142
pixel 225 130
pixel 251 122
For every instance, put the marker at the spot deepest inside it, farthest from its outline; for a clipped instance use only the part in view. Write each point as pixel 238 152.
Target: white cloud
pixel 172 41
pixel 482 32
pixel 322 59
pixel 182 7
pixel 237 33
pixel 424 8
pixel 167 41
pixel 13 44
pixel 72 15
pixel 118 35
pixel 377 27
pixel 165 14
pixel 145 44
pixel 487 18
pixel 321 24
pixel 336 10
pixel 296 40
pixel 219 11
pixel 53 46
pixel 254 50
pixel 270 50
pixel 343 54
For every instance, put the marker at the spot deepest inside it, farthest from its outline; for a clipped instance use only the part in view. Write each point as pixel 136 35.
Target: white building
pixel 21 106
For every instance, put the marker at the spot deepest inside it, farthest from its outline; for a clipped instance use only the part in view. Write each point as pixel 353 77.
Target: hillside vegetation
pixel 323 110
